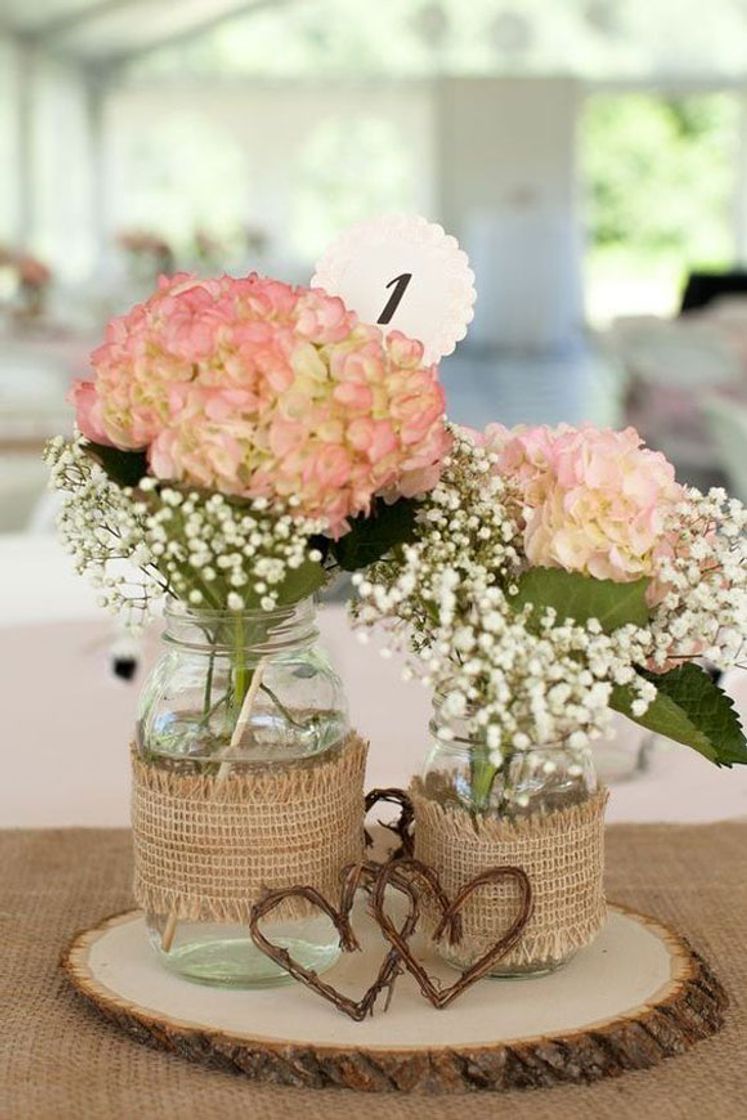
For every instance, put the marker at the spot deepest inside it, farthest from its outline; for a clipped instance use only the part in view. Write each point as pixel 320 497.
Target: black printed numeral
pixel 400 287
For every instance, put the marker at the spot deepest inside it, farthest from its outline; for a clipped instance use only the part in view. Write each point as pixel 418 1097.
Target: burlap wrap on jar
pixel 206 847
pixel 562 853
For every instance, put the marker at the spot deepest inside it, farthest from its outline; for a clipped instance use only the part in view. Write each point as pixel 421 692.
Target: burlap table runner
pixel 205 848
pixel 60 1061
pixel 562 853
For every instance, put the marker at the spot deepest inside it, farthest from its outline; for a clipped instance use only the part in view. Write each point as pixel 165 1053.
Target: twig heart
pixel 354 877
pixel 402 827
pixel 397 874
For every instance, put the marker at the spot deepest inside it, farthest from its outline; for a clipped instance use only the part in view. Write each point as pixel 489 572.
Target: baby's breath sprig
pixel 137 544
pixel 466 530
pixel 518 682
pixel 702 577
pixel 519 679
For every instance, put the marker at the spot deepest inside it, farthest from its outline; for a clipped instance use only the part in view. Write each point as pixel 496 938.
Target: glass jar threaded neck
pixel 258 633
pixel 517 778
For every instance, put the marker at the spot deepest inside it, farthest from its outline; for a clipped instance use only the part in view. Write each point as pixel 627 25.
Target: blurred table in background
pixel 69 719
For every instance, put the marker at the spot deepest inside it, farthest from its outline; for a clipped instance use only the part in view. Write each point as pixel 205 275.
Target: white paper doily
pixel 410 266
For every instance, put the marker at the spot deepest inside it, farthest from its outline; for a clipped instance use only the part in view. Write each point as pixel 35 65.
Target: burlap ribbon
pixel 562 853
pixel 205 847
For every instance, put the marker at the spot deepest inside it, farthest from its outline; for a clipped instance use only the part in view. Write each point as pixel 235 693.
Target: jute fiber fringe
pixel 206 847
pixel 562 853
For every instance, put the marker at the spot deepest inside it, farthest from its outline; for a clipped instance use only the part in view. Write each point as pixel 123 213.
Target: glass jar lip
pixel 180 611
pixel 466 745
pixel 466 742
pixel 258 632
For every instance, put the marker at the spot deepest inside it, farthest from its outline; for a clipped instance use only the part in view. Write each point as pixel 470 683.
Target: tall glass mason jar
pixel 232 692
pixel 511 786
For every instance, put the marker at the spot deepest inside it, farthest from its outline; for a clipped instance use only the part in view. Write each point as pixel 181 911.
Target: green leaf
pixel 126 468
pixel 301 582
pixel 298 585
pixel 581 597
pixel 691 709
pixel 373 536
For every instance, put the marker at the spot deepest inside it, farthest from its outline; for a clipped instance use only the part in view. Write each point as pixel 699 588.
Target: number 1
pixel 395 298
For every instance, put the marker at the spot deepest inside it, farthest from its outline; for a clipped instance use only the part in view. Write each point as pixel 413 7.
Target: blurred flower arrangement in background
pixel 148 254
pixel 31 279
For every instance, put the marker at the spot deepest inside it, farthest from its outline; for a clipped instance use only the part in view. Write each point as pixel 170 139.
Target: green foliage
pixel 372 537
pixel 660 173
pixel 581 597
pixel 297 585
pixel 691 709
pixel 126 468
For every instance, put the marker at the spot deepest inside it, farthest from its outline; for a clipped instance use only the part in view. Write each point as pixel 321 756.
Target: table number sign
pixel 403 273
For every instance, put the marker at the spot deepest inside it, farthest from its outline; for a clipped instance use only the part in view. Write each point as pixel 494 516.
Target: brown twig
pixel 423 871
pixel 169 930
pixel 402 827
pixel 355 876
pixel 399 871
pixel 442 997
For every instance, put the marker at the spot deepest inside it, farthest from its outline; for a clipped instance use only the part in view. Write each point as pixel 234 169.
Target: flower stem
pixel 241 676
pixel 482 776
pixel 208 685
pixel 280 706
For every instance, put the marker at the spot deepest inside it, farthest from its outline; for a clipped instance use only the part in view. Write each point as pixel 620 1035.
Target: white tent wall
pixel 62 164
pixel 46 188
pixel 9 142
pixel 299 159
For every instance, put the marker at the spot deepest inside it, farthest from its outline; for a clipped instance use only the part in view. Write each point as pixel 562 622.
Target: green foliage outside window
pixel 659 175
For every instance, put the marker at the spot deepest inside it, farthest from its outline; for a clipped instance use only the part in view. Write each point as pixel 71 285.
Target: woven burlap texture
pixel 206 847
pixel 59 1060
pixel 562 853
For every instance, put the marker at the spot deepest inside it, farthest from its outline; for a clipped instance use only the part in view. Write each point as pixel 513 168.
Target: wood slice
pixel 637 995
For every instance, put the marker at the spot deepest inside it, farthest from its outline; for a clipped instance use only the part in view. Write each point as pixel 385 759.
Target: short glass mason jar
pixel 512 785
pixel 233 691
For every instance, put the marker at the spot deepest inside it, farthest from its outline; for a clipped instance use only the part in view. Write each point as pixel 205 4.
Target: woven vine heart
pixel 356 876
pixel 398 873
pixel 402 827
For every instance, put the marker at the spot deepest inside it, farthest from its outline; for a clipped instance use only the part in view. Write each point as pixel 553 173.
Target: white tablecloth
pixel 68 721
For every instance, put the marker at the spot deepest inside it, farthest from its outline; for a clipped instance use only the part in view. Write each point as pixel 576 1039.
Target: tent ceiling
pixel 592 38
pixel 101 29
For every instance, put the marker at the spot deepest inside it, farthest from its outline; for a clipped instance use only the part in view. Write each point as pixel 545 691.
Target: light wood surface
pixel 637 995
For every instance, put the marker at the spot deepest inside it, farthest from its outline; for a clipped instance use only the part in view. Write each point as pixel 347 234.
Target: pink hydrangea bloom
pixel 256 388
pixel 596 501
pixel 88 411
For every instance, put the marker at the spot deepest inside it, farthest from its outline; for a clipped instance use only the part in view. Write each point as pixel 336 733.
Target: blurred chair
pixel 727 424
pixel 33 382
pixel 703 288
pixel 32 399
